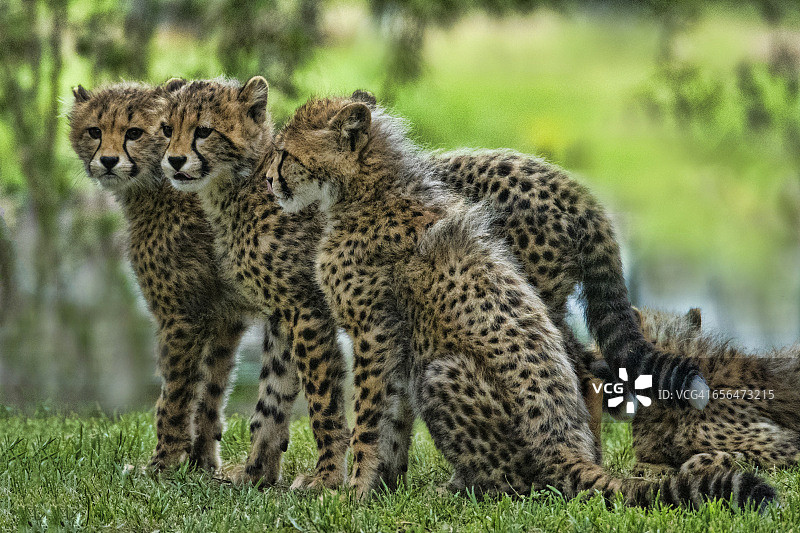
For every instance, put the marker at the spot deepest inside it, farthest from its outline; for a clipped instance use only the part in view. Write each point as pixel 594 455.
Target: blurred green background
pixel 682 116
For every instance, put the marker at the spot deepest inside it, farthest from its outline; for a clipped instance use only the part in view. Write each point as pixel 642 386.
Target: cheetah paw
pixel 316 481
pixel 162 460
pixel 241 475
pixel 133 470
pixel 206 462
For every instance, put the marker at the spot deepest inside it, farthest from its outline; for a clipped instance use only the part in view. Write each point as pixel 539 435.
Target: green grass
pixel 68 473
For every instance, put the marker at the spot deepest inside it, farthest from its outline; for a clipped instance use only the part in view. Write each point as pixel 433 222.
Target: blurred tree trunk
pixel 140 26
pixel 32 66
pixel 36 32
pixel 8 304
pixel 271 38
pixel 8 278
pixel 406 37
pixel 76 314
pixel 785 65
pixel 790 209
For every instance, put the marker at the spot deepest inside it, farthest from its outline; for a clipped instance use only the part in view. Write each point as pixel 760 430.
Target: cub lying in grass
pixel 754 409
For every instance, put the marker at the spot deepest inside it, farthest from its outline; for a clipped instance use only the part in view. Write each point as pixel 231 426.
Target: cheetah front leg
pixel 180 347
pixel 767 445
pixel 269 426
pixel 219 358
pixel 725 434
pixel 322 369
pixel 379 446
pixel 474 425
pixel 399 421
pixel 582 361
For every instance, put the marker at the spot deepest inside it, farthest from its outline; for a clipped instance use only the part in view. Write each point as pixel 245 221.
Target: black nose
pixel 176 162
pixel 109 161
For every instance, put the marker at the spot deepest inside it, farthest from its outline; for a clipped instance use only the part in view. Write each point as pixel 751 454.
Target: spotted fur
pixel 116 133
pixel 563 240
pixel 218 133
pixel 443 322
pixel 763 430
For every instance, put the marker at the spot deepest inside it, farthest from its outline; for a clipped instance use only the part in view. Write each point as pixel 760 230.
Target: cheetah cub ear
pixel 254 95
pixel 364 96
pixel 695 318
pixel 81 94
pixel 351 124
pixel 173 84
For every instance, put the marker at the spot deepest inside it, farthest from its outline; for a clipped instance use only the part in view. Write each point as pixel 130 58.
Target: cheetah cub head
pixel 323 147
pixel 215 128
pixel 116 133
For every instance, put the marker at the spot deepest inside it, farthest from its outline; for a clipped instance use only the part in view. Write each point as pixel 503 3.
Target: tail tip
pixel 756 492
pixel 698 393
pixel 762 496
pixel 626 410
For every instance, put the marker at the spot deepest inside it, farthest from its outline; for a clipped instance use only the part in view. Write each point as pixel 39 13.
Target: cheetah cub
pixel 754 417
pixel 563 239
pixel 116 133
pixel 218 132
pixel 443 322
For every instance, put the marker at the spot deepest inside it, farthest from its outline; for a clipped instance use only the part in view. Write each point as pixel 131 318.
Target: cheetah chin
pixel 324 194
pixel 187 183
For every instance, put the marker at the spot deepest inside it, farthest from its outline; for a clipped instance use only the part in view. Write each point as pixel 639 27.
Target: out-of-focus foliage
pixel 267 37
pixel 115 36
pixel 53 336
pixel 405 22
pixel 762 99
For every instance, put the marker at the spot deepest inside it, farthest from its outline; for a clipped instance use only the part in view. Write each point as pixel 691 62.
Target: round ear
pixel 254 95
pixel 81 94
pixel 173 84
pixel 364 96
pixel 695 318
pixel 352 124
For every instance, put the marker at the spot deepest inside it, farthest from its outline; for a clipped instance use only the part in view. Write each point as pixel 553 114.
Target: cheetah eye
pixel 202 133
pixel 94 133
pixel 167 130
pixel 133 134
